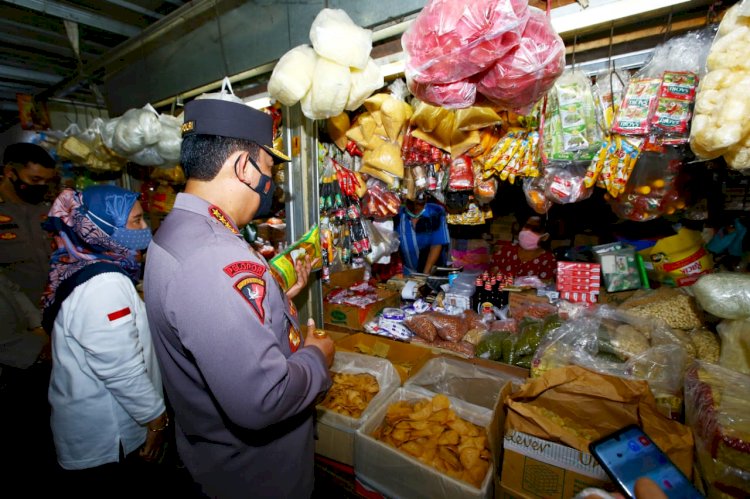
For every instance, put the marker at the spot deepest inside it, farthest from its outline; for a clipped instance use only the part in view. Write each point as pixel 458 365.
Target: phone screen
pixel 630 454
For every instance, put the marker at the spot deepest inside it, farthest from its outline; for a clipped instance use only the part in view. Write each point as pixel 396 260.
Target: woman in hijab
pixel 105 389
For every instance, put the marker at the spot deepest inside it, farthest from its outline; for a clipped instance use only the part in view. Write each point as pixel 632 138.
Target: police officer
pixel 238 374
pixel 24 247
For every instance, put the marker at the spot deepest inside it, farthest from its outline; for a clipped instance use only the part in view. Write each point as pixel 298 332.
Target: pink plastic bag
pixel 453 39
pixel 456 95
pixel 524 75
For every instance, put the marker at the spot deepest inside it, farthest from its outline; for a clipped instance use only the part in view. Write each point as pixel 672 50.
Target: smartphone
pixel 629 454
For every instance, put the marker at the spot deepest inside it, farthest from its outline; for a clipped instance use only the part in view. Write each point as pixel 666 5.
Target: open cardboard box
pixel 394 473
pixel 408 359
pixel 354 318
pixel 537 468
pixel 335 431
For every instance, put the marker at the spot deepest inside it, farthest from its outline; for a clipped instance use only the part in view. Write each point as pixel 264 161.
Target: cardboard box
pixel 406 358
pixel 394 473
pixel 336 431
pixel 354 317
pixel 578 281
pixel 345 278
pixel 537 468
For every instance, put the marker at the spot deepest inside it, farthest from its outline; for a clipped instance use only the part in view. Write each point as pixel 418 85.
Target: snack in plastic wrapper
pixel 422 327
pixel 282 265
pixel 718 411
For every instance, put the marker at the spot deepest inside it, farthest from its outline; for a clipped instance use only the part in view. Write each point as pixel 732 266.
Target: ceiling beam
pixel 33 46
pixel 27 74
pixel 18 87
pixel 21 29
pixel 136 8
pixel 77 15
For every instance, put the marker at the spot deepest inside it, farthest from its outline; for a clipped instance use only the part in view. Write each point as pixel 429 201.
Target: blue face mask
pixel 135 239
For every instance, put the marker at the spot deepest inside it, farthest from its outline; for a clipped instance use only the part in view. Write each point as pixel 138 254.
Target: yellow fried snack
pixel 351 393
pixel 430 431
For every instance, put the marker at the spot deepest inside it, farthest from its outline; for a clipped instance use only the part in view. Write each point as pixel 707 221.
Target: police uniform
pixel 24 247
pixel 234 366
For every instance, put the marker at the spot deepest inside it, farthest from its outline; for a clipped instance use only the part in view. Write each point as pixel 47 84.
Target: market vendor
pixel 530 256
pixel 423 232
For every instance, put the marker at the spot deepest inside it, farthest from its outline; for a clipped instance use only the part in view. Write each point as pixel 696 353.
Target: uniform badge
pixel 294 339
pixel 7 236
pixel 245 267
pixel 4 219
pixel 218 214
pixel 253 290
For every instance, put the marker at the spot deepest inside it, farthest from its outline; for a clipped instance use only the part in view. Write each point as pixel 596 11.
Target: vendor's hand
pixel 322 343
pixel 302 267
pixel 156 429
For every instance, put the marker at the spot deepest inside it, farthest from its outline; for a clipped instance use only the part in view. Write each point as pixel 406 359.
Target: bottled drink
pixel 485 306
pixel 478 288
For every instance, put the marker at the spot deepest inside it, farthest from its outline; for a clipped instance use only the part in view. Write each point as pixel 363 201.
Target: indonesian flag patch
pixel 120 316
pixel 253 290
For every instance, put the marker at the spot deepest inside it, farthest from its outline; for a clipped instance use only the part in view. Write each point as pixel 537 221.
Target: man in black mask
pixel 24 247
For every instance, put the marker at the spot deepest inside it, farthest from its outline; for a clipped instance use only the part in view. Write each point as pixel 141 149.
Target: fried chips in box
pixel 398 472
pixel 336 429
pixel 349 365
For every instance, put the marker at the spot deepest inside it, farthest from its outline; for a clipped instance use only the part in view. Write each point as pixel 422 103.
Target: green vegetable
pixel 491 345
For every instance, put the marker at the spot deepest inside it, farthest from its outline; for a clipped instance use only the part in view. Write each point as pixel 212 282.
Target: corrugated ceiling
pixel 37 50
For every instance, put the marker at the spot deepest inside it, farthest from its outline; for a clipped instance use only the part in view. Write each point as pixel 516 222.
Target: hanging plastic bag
pixel 137 129
pixel 520 78
pixel 225 93
pixel 533 189
pixel 336 37
pixel 292 76
pixel 170 138
pixel 454 39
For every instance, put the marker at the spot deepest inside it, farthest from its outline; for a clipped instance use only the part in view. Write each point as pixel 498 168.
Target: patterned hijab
pixel 80 242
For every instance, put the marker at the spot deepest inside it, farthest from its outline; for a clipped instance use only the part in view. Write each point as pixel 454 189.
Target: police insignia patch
pixel 253 290
pixel 245 267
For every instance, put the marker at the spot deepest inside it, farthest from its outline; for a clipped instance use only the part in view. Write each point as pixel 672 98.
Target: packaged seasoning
pixel 674 107
pixel 634 115
pixel 571 129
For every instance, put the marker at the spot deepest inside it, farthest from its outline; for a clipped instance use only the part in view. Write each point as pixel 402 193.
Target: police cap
pixel 233 120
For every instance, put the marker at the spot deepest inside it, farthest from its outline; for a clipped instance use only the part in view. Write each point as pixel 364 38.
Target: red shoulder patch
pixel 253 290
pixel 245 267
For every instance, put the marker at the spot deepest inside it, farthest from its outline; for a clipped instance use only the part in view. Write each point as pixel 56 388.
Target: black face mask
pixel 265 190
pixel 29 193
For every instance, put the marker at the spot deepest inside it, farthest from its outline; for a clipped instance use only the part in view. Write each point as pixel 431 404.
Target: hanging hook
pixel 668 30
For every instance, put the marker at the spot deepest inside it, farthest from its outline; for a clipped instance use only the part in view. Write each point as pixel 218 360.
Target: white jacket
pixel 105 382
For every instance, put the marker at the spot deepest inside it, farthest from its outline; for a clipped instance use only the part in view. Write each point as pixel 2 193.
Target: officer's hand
pixel 302 267
pixel 324 343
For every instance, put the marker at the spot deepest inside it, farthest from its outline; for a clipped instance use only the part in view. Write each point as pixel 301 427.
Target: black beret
pixel 233 120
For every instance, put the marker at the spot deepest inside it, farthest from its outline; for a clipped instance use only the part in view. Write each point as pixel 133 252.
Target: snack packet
pixel 282 265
